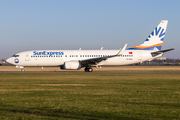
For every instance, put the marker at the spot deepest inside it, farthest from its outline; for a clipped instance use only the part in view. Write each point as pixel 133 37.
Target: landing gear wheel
pixel 22 70
pixel 88 69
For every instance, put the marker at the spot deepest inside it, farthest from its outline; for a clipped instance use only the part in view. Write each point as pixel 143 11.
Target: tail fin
pixel 155 40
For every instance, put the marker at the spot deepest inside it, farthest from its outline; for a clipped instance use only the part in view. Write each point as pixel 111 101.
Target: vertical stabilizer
pixel 155 40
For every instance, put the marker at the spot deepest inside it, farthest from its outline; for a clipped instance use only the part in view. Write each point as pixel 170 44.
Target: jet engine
pixel 71 65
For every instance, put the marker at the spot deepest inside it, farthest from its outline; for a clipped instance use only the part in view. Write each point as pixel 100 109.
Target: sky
pixel 86 24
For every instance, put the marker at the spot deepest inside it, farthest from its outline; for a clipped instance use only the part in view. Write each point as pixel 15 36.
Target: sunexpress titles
pixel 48 53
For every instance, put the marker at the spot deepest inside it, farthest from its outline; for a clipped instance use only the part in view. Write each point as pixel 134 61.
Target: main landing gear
pixel 88 69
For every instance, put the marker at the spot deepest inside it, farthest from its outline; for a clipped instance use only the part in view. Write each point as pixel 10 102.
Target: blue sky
pixel 73 24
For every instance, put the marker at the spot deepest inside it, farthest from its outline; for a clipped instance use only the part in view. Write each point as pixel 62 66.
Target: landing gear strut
pixel 88 69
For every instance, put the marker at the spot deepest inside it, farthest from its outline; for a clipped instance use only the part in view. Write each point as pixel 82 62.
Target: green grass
pixel 90 96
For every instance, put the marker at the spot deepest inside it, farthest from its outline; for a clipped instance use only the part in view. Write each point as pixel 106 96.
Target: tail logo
pixel 155 40
pixel 158 32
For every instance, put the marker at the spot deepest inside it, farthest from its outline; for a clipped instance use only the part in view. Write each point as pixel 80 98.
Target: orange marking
pixel 142 47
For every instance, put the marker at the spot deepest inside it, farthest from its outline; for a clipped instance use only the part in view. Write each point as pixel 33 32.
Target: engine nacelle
pixel 71 65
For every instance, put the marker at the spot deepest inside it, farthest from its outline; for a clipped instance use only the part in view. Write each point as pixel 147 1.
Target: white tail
pixel 155 40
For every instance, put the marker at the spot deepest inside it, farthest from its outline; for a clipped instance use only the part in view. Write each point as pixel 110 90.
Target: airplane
pixel 77 59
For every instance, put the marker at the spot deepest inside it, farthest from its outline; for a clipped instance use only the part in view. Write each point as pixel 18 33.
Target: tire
pixel 90 70
pixel 86 69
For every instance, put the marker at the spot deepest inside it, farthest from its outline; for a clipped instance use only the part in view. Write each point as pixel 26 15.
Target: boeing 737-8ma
pixel 77 59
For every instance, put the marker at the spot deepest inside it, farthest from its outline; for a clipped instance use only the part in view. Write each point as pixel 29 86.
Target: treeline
pixel 164 61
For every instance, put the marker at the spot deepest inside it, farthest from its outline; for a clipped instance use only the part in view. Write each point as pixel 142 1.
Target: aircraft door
pixel 27 57
pixel 139 56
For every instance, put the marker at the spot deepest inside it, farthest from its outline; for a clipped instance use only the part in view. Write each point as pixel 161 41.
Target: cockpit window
pixel 15 56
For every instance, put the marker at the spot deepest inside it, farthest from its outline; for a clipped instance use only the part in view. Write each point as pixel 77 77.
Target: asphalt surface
pixel 95 72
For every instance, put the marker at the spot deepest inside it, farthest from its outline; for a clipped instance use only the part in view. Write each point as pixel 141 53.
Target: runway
pixel 97 72
pixel 103 70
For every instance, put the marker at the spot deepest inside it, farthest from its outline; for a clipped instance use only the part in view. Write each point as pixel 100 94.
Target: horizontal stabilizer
pixel 154 54
pixel 163 51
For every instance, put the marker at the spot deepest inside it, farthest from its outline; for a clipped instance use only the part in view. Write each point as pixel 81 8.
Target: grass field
pixel 89 96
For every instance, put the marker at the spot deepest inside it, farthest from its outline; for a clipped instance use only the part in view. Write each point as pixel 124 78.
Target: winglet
pixel 121 51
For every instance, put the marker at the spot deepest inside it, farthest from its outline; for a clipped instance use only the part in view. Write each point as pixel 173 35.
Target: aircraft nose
pixel 9 60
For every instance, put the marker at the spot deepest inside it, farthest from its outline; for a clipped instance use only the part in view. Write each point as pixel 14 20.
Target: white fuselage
pixel 58 57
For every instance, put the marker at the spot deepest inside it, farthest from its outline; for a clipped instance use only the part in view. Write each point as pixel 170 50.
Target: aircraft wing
pixel 94 61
